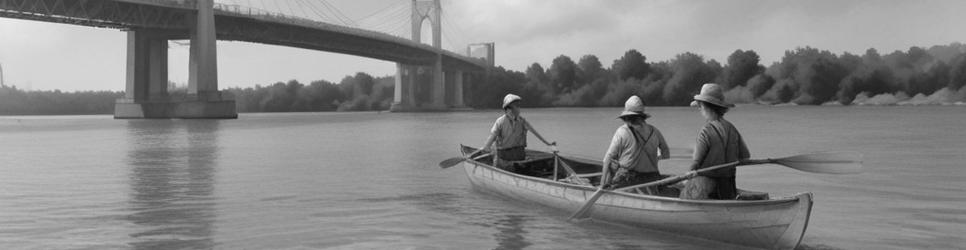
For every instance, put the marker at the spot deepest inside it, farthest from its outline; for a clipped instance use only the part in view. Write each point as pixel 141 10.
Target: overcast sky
pixel 47 56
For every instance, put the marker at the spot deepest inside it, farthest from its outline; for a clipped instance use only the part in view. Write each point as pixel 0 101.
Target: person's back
pixel 718 142
pixel 633 151
pixel 723 144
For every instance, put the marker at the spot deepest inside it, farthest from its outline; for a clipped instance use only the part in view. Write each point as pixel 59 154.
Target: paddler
pixel 718 142
pixel 633 152
pixel 509 132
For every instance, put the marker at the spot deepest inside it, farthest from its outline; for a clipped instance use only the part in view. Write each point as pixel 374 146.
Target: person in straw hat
pixel 509 132
pixel 633 152
pixel 718 142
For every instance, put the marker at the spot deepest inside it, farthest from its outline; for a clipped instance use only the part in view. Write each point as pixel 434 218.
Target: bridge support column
pixel 458 90
pixel 146 89
pixel 147 75
pixel 403 94
pixel 438 86
pixel 204 100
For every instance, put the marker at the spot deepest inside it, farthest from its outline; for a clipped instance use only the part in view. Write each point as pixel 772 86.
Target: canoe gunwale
pixel 793 198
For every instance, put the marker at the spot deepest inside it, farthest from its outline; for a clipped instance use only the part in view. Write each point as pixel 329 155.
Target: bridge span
pixel 428 77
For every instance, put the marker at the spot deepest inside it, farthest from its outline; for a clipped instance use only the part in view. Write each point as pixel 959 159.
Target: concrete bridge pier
pixel 146 93
pixel 438 86
pixel 404 96
pixel 458 90
pixel 420 88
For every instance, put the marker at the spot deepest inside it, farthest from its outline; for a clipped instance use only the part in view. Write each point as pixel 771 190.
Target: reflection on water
pixel 510 234
pixel 172 180
pixel 371 181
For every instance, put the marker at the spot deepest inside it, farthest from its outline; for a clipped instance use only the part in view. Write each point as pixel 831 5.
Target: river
pixel 371 180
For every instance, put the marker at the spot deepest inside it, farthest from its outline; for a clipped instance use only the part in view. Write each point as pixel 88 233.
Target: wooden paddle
pixel 456 160
pixel 825 162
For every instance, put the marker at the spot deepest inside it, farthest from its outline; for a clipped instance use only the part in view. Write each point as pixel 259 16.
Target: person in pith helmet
pixel 718 143
pixel 634 150
pixel 509 133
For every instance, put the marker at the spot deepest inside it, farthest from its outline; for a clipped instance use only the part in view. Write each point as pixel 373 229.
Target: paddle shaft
pixel 600 191
pixel 456 160
pixel 593 198
pixel 677 178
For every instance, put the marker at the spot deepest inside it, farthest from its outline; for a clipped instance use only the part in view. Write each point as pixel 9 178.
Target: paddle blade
pixel 584 211
pixel 451 162
pixel 825 162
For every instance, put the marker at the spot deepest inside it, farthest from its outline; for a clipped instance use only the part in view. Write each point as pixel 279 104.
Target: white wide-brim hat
pixel 634 106
pixel 510 99
pixel 712 93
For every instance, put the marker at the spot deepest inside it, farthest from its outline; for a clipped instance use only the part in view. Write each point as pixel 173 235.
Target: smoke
pixel 882 99
pixel 739 94
pixel 781 92
pixel 945 96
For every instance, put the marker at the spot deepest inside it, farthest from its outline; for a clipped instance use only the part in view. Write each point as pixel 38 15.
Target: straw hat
pixel 634 106
pixel 711 93
pixel 509 99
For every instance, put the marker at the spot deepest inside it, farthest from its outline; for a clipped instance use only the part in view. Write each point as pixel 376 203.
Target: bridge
pixel 428 78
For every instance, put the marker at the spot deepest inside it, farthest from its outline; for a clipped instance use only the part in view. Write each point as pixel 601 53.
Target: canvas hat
pixel 711 93
pixel 634 106
pixel 510 98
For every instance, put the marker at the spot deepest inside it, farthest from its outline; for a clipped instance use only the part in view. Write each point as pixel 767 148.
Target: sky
pixel 47 56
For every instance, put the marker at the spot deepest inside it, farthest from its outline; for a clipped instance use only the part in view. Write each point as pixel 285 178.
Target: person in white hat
pixel 718 142
pixel 633 152
pixel 509 132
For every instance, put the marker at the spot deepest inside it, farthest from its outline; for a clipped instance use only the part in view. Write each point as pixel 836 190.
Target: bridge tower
pixel 146 89
pixel 444 89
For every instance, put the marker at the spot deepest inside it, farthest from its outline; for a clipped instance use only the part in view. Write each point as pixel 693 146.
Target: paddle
pixel 593 198
pixel 825 162
pixel 456 160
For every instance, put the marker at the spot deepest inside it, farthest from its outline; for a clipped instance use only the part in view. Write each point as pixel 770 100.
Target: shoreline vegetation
pixel 804 76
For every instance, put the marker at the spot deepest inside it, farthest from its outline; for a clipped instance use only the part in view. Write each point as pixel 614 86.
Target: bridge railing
pixel 296 20
pixel 188 4
pixel 301 21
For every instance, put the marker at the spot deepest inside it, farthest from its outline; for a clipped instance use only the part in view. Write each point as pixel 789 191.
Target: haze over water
pixel 370 180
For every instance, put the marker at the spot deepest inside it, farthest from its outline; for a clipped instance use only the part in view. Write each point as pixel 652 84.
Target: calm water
pixel 370 180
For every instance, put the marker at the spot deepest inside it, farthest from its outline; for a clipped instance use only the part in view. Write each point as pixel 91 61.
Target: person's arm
pixel 662 145
pixel 700 149
pixel 610 158
pixel 530 128
pixel 489 141
pixel 494 134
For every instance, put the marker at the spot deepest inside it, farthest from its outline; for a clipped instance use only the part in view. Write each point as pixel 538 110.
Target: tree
pixel 632 65
pixel 589 69
pixel 537 91
pixel 957 73
pixel 563 74
pixel 690 72
pixel 742 66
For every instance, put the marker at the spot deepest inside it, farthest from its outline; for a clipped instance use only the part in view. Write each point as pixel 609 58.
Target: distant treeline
pixel 14 101
pixel 806 76
pixel 354 93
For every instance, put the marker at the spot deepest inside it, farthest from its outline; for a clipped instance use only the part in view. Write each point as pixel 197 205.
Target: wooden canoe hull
pixel 773 224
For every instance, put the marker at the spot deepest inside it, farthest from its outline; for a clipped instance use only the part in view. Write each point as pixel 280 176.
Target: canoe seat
pixel 747 195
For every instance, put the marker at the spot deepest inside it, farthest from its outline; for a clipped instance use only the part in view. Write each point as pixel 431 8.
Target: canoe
pixel 772 223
